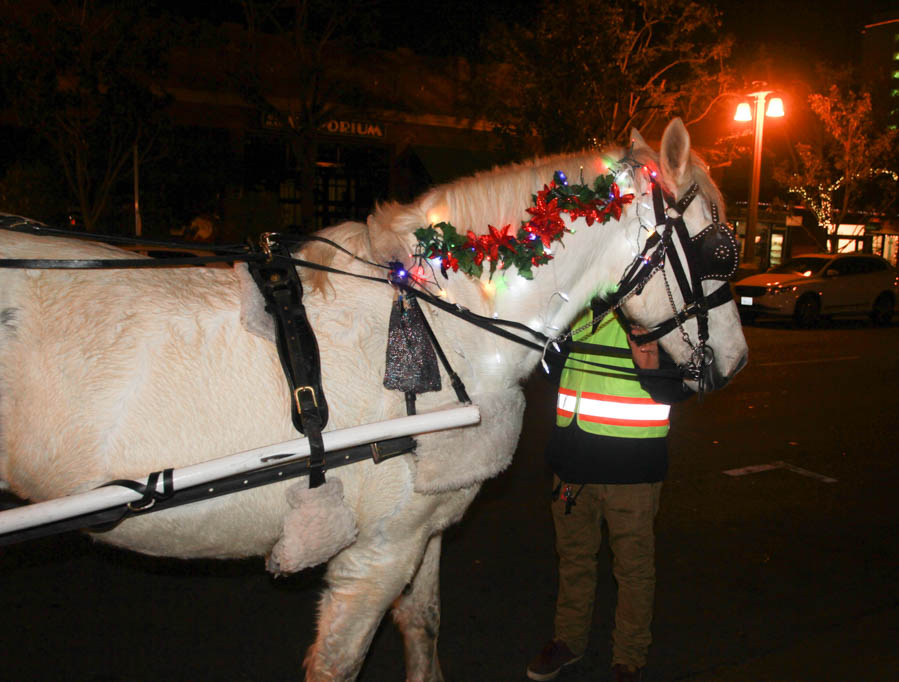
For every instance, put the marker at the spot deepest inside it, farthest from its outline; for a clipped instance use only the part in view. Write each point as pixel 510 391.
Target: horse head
pixel 651 248
pixel 689 254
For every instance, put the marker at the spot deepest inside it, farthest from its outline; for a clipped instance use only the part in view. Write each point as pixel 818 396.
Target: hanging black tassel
pixel 411 361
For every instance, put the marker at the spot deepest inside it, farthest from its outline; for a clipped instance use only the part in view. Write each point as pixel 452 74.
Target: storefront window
pixel 776 253
pixel 886 246
pixel 851 238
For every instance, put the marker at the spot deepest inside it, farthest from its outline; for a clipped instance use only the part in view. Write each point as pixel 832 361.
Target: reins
pixel 243 253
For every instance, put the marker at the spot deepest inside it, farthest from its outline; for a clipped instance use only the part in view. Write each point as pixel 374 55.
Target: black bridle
pixel 711 254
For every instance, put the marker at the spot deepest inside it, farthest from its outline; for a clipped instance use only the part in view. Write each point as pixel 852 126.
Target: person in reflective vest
pixel 609 456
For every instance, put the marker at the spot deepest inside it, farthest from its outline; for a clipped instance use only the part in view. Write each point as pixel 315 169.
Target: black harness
pixel 711 254
pixel 282 290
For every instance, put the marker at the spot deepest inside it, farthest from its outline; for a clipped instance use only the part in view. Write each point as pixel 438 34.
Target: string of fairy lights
pixel 820 200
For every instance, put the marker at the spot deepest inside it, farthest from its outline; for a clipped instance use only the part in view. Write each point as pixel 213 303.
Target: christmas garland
pixel 530 246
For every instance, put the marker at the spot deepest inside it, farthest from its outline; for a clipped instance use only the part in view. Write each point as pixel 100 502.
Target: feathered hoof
pixel 320 525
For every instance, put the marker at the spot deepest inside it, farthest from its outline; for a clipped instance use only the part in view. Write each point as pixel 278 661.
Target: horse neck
pixel 588 261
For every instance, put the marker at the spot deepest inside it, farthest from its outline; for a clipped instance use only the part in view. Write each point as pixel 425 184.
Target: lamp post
pixel 744 113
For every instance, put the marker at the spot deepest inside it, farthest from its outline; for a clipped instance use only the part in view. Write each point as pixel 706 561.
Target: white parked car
pixel 822 284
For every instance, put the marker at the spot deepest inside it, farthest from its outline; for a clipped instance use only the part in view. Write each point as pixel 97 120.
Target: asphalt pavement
pixel 777 554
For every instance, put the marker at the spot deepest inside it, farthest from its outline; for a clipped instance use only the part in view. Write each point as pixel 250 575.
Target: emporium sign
pixel 355 128
pixel 332 127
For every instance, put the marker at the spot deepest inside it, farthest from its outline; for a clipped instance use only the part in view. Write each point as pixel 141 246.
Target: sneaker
pixel 626 673
pixel 549 662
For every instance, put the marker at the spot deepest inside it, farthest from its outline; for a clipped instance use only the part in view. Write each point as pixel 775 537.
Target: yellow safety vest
pixel 606 402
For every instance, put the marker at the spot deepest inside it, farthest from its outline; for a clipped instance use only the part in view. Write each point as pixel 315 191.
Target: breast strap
pixel 282 290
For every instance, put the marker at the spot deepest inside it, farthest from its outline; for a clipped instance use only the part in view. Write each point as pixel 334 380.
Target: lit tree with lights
pixel 848 167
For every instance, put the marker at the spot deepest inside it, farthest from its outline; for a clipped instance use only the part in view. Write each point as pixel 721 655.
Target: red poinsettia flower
pixel 485 244
pixel 450 261
pixel 547 222
pixel 502 237
pixel 498 238
pixel 617 202
pixel 591 211
pixel 475 243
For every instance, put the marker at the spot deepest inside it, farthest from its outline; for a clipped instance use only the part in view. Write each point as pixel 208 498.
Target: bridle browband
pixel 711 254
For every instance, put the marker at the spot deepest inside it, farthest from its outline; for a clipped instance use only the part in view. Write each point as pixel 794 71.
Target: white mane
pixel 496 197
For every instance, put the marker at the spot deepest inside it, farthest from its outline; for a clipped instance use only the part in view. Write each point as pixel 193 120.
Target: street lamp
pixel 745 113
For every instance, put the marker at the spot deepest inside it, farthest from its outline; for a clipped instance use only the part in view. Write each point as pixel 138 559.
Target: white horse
pixel 114 374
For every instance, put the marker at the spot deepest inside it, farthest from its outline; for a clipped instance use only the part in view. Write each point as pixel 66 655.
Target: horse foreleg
pixel 362 583
pixel 417 614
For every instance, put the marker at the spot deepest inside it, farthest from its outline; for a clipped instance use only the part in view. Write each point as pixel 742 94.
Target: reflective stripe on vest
pixel 622 411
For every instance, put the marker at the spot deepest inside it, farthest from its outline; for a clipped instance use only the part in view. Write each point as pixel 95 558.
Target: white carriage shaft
pixel 244 462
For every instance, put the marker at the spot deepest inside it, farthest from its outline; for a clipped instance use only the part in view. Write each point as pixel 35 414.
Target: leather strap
pixel 282 290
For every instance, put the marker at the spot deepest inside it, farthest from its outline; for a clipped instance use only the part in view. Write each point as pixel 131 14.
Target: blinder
pixel 717 251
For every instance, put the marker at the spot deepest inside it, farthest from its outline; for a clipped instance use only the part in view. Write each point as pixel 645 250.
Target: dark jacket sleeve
pixel 665 390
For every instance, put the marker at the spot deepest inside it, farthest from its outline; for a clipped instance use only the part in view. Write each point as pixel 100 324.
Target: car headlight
pixel 775 289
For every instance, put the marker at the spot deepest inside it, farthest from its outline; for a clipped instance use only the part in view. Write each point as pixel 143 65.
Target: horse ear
pixel 675 154
pixel 637 140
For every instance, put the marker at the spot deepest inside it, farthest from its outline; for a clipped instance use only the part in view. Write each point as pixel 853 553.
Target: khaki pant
pixel 629 511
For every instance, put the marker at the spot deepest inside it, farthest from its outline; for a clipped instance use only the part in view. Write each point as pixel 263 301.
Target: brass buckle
pixel 375 453
pixel 266 240
pixel 296 397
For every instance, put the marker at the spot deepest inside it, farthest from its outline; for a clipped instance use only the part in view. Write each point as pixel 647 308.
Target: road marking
pixel 807 362
pixel 754 469
pixel 757 468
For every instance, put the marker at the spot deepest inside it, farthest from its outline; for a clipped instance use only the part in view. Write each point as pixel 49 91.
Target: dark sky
pixel 819 30
pixel 814 29
pixel 795 31
pixel 823 29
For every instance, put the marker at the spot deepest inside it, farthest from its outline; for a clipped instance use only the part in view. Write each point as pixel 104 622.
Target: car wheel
pixel 882 312
pixel 808 311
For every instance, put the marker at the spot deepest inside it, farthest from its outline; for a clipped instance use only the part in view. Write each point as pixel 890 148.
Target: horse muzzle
pixel 708 375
